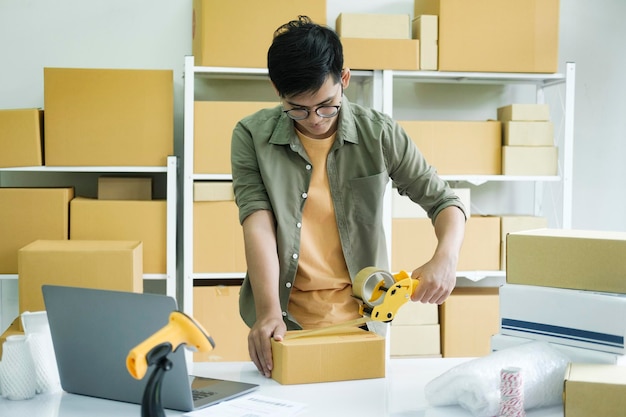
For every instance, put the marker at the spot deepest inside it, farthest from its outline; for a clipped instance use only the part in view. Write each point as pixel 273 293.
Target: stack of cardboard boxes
pixel 567 287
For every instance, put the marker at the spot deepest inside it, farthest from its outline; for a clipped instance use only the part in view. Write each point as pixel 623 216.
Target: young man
pixel 309 178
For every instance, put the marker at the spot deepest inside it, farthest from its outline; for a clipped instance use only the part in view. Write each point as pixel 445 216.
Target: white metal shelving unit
pixel 171 172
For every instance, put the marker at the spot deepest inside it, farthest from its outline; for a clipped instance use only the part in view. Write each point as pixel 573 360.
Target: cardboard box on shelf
pixel 28 214
pixel 404 208
pixel 379 54
pixel 570 317
pixel 496 36
pixel 414 242
pixel 217 309
pixel 93 219
pixel 344 355
pixel 468 319
pixel 214 122
pixel 529 160
pixel 373 26
pixel 568 258
pixel 459 147
pixel 594 390
pixel 108 117
pixel 106 264
pixel 528 134
pixel 512 224
pixel 248 26
pixel 526 112
pixel 213 191
pixel 414 340
pixel 425 29
pixel 21 138
pixel 124 188
pixel 415 314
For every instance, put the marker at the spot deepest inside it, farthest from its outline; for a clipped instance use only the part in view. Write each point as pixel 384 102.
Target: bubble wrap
pixel 475 385
pixel 17 378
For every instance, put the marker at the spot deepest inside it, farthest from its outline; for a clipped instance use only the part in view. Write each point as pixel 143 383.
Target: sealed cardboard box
pixel 511 224
pixel 415 314
pixel 568 258
pixel 344 355
pixel 373 26
pixel 524 112
pixel 529 160
pixel 425 29
pixel 21 138
pixel 414 340
pixel 107 265
pixel 585 319
pixel 145 221
pixel 214 122
pixel 216 307
pixel 495 35
pixel 217 237
pixel 247 26
pixel 468 319
pixel 528 134
pixel 414 242
pixel 404 208
pixel 591 390
pixel 124 188
pixel 108 117
pixel 459 147
pixel 28 214
pixel 379 54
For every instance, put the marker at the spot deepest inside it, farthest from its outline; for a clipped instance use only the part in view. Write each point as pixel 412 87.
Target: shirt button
pixel 284 314
pixel 308 167
pixel 294 256
pixel 288 285
pixel 299 225
pixel 304 195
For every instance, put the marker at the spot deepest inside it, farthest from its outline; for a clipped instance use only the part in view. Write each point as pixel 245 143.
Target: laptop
pixel 92 332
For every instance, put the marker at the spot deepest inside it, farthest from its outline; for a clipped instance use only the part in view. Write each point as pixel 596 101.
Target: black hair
pixel 302 56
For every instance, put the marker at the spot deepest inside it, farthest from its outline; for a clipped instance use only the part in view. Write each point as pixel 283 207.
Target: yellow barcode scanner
pixel 180 330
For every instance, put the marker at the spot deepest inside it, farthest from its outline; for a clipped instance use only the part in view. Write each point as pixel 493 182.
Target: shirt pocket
pixel 367 196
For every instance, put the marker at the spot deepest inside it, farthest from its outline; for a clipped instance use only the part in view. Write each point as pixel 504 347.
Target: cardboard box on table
pixel 373 26
pixel 415 340
pixel 108 117
pixel 93 219
pixel 21 138
pixel 238 33
pixel 379 54
pixel 459 147
pixel 343 355
pixel 28 214
pixel 529 160
pixel 579 318
pixel 214 122
pixel 425 29
pixel 514 223
pixel 495 35
pixel 591 390
pixel 568 258
pixel 124 188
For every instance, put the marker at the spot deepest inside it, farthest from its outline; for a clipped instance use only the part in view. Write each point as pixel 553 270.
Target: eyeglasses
pixel 322 111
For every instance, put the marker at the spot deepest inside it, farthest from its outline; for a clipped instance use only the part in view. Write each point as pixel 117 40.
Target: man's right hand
pixel 259 345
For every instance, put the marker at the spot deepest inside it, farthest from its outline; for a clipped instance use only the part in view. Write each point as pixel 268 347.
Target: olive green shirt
pixel 271 171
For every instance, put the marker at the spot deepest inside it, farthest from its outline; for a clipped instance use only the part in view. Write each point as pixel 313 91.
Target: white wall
pixel 156 34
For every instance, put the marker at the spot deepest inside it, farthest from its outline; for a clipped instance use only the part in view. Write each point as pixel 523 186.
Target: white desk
pixel 399 394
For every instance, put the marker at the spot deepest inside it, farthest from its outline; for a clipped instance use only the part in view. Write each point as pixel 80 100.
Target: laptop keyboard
pixel 201 394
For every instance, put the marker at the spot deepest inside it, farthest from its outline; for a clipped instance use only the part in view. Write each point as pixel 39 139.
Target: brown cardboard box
pixel 124 188
pixel 347 354
pixel 378 54
pixel 21 138
pixel 213 191
pixel 108 117
pixel 415 314
pixel 414 340
pixel 526 112
pixel 459 147
pixel 238 33
pixel 512 224
pixel 214 122
pixel 592 390
pixel 217 237
pixel 216 307
pixel 28 214
pixel 468 318
pixel 93 219
pixel 564 258
pixel 425 29
pixel 108 265
pixel 373 26
pixel 529 160
pixel 528 134
pixel 495 35
pixel 414 242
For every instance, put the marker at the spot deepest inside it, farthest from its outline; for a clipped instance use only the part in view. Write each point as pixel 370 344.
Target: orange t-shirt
pixel 322 291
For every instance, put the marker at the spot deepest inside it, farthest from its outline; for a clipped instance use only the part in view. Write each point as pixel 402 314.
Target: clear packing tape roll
pixel 475 385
